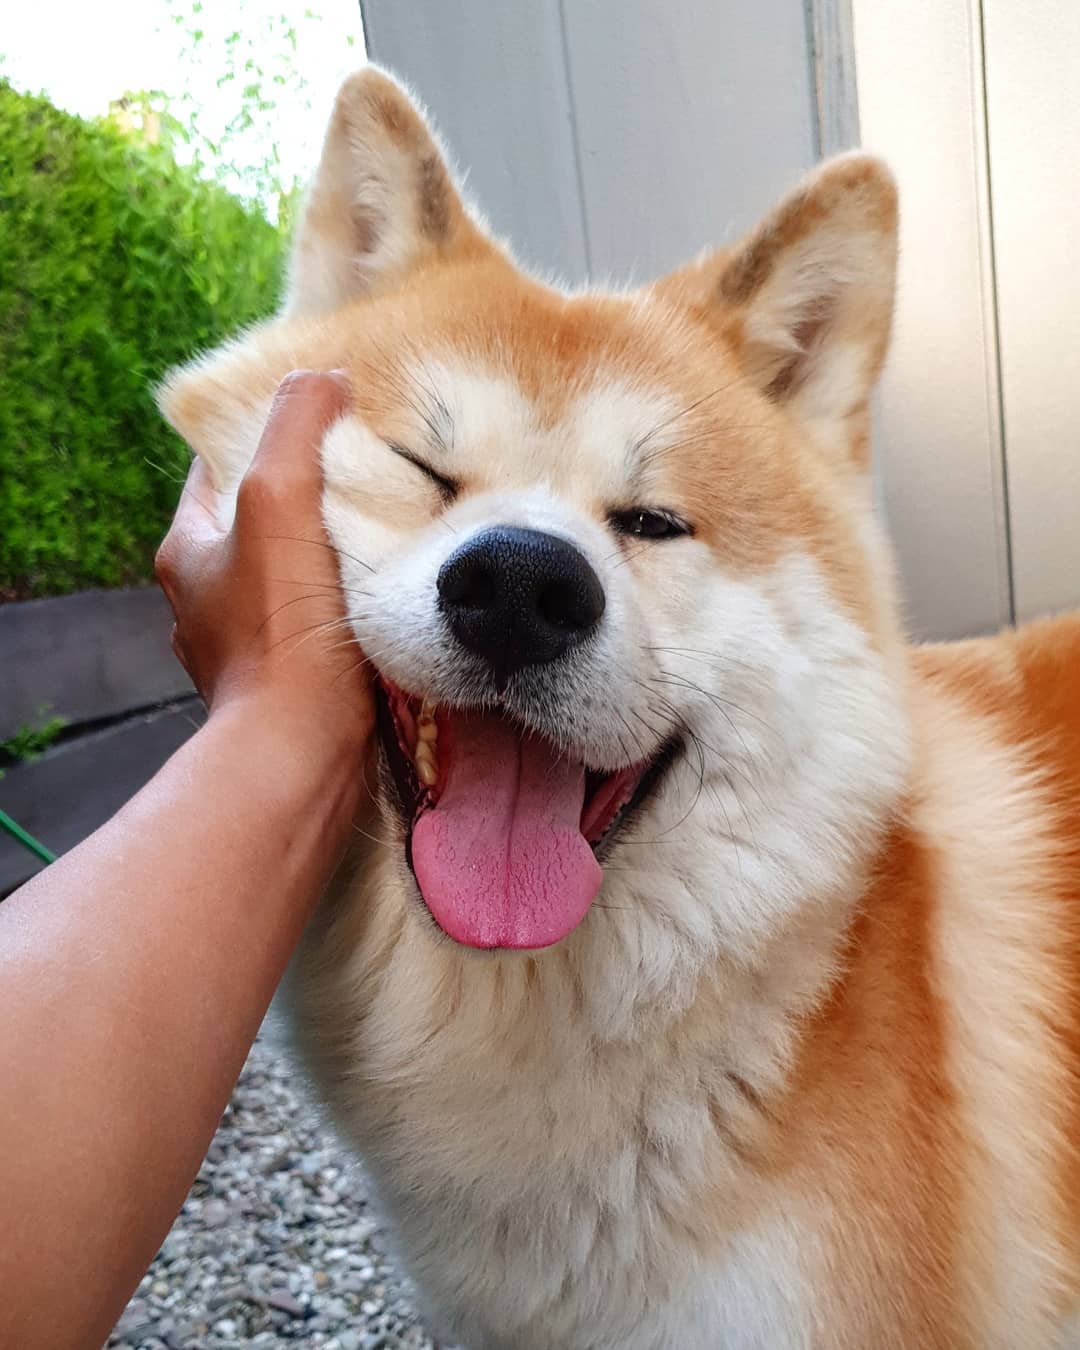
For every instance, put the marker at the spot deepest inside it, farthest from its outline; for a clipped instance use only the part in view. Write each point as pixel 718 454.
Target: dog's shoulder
pixel 1026 678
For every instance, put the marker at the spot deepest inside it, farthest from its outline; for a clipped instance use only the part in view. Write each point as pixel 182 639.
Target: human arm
pixel 135 971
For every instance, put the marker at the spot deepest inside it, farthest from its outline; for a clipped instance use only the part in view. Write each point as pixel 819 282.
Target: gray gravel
pixel 275 1244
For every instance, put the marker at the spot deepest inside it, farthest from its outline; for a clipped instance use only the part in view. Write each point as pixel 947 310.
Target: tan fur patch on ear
pixel 435 197
pixel 389 107
pixel 363 228
pixel 404 125
pixel 851 192
pixel 383 202
pixel 805 300
pixel 813 285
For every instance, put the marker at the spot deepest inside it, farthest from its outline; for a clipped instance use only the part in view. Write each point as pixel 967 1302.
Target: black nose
pixel 519 597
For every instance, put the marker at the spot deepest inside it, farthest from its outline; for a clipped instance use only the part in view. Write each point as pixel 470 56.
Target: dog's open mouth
pixel 502 829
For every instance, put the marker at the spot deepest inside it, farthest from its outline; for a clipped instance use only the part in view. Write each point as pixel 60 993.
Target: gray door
pixel 609 139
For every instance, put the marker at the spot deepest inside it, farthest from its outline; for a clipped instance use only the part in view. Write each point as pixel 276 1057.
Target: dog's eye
pixel 649 523
pixel 448 487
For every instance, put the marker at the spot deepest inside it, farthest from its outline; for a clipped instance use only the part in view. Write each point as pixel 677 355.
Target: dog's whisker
pixel 302 635
pixel 321 543
pixel 722 657
pixel 287 604
pixel 381 843
pixel 721 704
pixel 322 585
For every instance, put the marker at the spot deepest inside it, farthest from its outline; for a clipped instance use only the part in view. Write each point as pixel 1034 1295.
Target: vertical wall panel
pixel 921 105
pixel 616 139
pixel 493 75
pixel 1032 78
pixel 836 95
pixel 693 117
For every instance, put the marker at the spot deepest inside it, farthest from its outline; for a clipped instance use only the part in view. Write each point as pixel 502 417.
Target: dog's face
pixel 612 557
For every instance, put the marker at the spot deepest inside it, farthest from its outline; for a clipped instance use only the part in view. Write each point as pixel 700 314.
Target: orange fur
pixel 844 1115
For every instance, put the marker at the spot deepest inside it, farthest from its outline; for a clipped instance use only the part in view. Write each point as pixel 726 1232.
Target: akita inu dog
pixel 711 975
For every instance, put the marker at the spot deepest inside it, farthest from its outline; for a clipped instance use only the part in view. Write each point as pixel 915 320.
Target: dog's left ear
pixel 806 299
pixel 383 202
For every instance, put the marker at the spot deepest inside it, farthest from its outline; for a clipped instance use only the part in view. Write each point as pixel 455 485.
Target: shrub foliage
pixel 115 262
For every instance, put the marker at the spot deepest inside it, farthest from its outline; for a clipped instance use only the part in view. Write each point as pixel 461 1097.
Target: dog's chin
pixel 504 832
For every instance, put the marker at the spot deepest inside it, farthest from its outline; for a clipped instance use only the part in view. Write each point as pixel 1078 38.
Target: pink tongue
pixel 501 860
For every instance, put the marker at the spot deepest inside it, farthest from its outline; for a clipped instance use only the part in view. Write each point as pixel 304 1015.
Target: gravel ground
pixel 275 1244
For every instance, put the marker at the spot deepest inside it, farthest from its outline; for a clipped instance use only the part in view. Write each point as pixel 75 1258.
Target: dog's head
pixel 611 555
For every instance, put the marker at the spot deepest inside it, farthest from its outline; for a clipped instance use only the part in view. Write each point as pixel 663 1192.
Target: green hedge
pixel 115 262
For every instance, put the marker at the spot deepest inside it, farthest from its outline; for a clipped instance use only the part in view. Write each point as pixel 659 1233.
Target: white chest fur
pixel 550 1184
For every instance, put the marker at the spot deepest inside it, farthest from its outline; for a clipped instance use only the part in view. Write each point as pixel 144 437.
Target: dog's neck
pixel 718 926
pixel 746 897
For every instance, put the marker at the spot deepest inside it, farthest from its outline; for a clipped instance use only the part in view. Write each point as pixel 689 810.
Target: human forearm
pixel 133 975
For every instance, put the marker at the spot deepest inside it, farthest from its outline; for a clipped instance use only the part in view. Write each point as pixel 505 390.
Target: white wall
pixel 919 68
pixel 1033 122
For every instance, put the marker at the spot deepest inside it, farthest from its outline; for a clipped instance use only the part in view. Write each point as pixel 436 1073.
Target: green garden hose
pixel 27 840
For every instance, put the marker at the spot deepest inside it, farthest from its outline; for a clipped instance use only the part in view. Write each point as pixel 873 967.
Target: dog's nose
pixel 519 597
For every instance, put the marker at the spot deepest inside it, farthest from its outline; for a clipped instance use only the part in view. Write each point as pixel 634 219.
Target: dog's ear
pixel 383 201
pixel 806 299
pixel 383 204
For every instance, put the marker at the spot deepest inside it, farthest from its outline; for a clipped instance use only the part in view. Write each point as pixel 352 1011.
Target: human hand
pixel 258 604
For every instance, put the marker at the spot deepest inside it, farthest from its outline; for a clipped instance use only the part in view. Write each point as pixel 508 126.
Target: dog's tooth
pixel 427 733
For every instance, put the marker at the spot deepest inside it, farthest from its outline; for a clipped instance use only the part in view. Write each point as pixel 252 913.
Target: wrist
pixel 312 752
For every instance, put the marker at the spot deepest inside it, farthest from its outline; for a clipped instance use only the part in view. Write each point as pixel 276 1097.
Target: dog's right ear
pixel 383 201
pixel 383 204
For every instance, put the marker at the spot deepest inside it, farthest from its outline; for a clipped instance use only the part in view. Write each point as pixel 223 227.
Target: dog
pixel 710 974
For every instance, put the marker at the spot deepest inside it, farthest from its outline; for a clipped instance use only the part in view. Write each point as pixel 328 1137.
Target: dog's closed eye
pixel 448 488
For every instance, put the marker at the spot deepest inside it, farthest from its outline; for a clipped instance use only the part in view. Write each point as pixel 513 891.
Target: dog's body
pixel 601 1149
pixel 804 1072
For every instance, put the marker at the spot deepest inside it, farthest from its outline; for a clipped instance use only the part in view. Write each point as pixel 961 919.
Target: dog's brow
pixel 633 464
pixel 641 452
pixel 411 380
pixel 432 408
pixel 439 421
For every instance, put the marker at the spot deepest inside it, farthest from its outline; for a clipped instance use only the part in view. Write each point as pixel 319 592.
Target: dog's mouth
pixel 502 828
